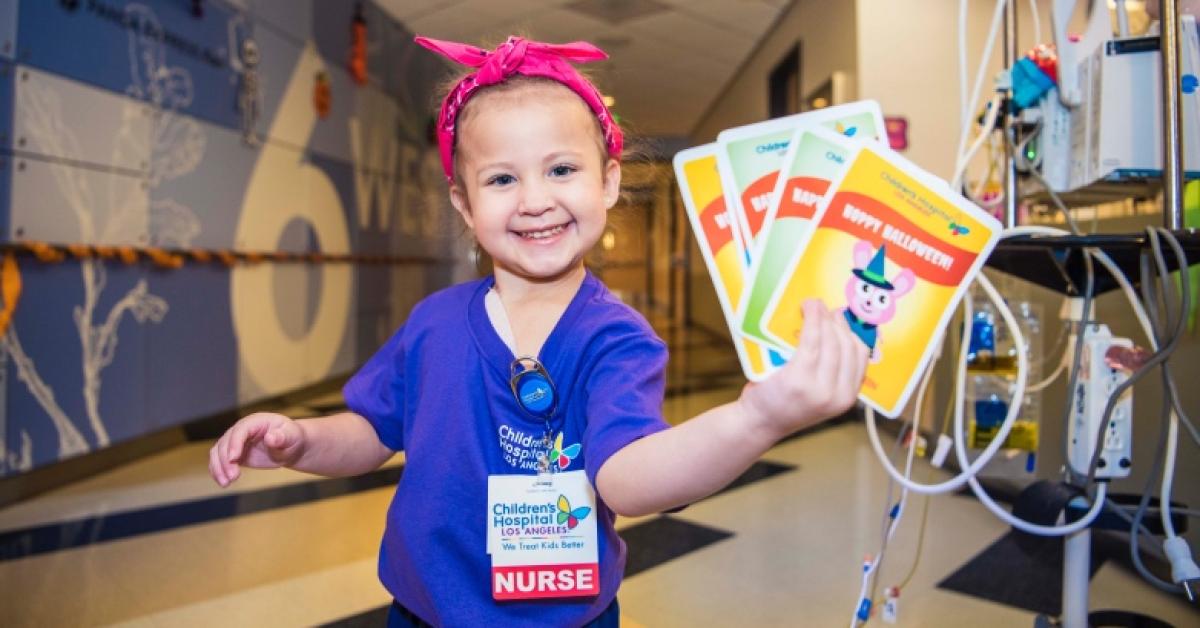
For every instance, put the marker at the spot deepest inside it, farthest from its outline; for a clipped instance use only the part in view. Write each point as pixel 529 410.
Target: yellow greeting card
pixel 721 247
pixel 891 250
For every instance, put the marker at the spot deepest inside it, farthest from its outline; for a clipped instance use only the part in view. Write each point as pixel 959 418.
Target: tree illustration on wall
pixel 172 145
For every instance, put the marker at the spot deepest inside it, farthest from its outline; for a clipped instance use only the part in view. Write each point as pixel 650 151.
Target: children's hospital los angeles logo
pixel 537 521
pixel 521 449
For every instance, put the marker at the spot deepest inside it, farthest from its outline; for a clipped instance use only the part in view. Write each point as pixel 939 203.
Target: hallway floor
pixel 157 543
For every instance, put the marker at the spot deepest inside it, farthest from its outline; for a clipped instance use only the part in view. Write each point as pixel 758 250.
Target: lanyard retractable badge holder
pixel 534 391
pixel 555 552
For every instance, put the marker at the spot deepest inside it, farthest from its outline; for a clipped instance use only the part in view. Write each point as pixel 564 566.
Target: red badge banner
pixel 545 581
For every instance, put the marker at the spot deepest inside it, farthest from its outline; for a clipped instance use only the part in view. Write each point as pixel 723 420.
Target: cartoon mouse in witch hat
pixel 871 297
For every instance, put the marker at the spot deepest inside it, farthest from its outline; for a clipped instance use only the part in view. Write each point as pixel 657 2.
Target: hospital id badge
pixel 542 536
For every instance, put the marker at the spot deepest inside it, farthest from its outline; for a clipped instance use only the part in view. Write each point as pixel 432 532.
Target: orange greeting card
pixel 720 245
pixel 891 249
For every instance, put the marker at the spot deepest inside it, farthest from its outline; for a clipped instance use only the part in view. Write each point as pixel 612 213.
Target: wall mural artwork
pixel 188 133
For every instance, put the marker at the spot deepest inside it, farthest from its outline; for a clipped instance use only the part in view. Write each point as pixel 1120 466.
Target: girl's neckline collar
pixel 493 348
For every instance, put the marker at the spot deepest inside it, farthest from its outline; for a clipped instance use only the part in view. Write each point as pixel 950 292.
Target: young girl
pixel 529 402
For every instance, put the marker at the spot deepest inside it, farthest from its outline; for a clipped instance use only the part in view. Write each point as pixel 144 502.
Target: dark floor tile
pixel 761 470
pixel 663 539
pixel 374 618
pixel 1018 570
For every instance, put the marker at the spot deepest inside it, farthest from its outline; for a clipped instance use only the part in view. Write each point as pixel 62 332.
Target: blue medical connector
pixel 1029 82
pixel 864 610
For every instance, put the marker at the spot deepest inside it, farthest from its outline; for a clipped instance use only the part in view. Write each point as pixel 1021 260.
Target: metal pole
pixel 1010 164
pixel 1077 558
pixel 1171 119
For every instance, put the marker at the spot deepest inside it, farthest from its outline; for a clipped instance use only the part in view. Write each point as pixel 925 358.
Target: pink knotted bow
pixel 528 58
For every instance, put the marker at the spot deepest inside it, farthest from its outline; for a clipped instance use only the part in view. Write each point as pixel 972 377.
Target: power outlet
pixel 1095 384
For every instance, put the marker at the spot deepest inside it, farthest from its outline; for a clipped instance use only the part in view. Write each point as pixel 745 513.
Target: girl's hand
pixel 820 381
pixel 262 440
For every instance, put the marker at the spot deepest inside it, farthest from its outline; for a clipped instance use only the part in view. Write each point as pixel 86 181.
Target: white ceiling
pixel 668 58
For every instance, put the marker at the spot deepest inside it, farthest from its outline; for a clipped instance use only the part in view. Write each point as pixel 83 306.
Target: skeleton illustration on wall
pixel 244 58
pixel 170 146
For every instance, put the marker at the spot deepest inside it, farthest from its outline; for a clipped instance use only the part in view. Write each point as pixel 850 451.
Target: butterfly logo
pixel 567 515
pixel 563 455
pixel 844 130
pixel 956 229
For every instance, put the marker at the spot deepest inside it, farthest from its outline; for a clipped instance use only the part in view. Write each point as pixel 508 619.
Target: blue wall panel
pixel 192 352
pixel 141 39
pixel 6 118
pixel 206 338
pixel 8 28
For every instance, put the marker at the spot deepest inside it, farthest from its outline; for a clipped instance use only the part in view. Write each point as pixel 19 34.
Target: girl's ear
pixel 612 182
pixel 458 198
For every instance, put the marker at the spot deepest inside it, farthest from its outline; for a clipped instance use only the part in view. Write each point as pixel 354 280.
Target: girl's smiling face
pixel 534 182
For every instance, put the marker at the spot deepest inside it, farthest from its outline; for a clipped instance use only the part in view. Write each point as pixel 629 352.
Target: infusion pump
pixel 1104 121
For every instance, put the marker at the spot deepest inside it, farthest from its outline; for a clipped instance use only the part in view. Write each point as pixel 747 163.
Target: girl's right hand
pixel 263 440
pixel 820 381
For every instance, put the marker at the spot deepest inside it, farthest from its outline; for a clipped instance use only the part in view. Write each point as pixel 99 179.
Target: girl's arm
pixel 338 445
pixel 696 458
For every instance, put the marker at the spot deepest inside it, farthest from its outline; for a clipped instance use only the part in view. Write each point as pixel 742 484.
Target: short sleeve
pixel 376 392
pixel 624 397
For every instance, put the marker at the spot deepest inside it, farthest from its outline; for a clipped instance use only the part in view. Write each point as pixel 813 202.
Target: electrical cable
pixel 1157 358
pixel 1186 512
pixel 1184 570
pixel 1173 427
pixel 1168 416
pixel 993 31
pixel 1123 511
pixel 1037 22
pixel 1105 261
pixel 1178 414
pixel 1040 386
pixel 1171 402
pixel 995 155
pixel 1160 357
pixel 1005 427
pixel 1144 320
pixel 921 527
pixel 1130 294
pixel 1088 253
pixel 1070 221
pixel 893 513
pixel 963 67
pixel 970 469
pixel 987 127
pixel 1136 526
pixel 960 449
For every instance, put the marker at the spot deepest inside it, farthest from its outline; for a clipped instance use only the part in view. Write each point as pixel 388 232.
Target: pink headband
pixel 528 58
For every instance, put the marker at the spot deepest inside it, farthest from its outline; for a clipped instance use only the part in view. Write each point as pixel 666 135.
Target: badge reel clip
pixel 534 391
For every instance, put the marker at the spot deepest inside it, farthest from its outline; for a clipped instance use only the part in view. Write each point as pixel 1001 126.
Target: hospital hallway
pixel 155 542
pixel 215 208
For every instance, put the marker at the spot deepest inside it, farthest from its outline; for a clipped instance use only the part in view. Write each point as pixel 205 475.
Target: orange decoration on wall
pixel 322 95
pixel 358 47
